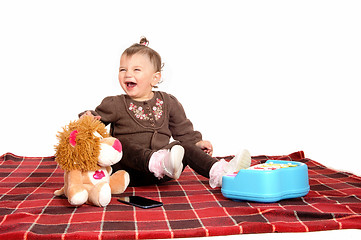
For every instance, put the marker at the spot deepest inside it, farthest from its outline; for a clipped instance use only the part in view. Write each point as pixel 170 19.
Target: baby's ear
pixel 156 78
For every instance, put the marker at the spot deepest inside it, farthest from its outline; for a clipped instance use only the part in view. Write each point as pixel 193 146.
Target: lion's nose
pixel 117 145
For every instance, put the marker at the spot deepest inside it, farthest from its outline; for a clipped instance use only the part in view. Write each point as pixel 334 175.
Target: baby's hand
pixel 206 146
pixel 88 113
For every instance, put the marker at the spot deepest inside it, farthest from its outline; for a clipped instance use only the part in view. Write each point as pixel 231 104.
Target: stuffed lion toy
pixel 86 152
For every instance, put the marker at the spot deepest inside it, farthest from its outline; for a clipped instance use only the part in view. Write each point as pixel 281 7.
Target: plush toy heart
pixel 99 174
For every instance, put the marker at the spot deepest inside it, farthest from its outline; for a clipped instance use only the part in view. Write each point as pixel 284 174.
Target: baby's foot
pixel 219 169
pixel 167 162
pixel 241 161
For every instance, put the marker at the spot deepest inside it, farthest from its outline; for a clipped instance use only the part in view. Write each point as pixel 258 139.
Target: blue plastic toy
pixel 268 182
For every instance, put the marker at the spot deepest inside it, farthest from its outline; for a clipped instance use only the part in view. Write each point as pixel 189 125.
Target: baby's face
pixel 137 76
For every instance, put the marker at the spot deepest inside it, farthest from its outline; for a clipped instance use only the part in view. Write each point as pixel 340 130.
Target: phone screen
pixel 141 202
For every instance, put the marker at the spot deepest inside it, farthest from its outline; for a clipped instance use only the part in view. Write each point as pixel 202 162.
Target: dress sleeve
pixel 180 126
pixel 108 110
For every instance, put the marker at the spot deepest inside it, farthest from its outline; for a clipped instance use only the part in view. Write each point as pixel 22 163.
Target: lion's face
pixel 110 151
pixel 85 145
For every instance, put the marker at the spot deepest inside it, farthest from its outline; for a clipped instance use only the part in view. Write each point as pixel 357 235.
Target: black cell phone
pixel 141 202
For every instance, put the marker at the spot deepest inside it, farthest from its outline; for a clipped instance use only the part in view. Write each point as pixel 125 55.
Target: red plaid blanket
pixel 29 210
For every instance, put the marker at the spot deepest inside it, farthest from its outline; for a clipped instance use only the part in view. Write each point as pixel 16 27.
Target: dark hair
pixel 142 48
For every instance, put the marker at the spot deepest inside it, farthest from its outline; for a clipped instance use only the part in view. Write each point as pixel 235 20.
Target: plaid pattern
pixel 29 210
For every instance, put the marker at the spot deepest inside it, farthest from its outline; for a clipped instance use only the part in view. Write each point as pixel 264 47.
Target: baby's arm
pixel 182 128
pixel 90 113
pixel 105 112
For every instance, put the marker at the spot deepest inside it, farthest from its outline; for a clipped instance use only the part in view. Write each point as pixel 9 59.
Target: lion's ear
pixel 97 134
pixel 72 137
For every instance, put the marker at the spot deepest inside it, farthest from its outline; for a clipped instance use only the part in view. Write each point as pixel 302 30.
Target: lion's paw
pixel 105 195
pixel 79 198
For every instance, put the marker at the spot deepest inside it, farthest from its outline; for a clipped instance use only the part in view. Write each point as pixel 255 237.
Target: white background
pixel 271 76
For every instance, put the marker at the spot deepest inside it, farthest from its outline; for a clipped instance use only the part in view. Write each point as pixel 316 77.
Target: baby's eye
pixel 122 70
pixel 137 70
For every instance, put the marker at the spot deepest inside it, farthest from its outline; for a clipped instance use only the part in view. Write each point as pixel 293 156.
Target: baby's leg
pixel 134 157
pixel 210 167
pixel 198 160
pixel 146 166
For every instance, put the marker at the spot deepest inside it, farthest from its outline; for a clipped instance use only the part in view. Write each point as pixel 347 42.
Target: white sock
pixel 222 168
pixel 167 162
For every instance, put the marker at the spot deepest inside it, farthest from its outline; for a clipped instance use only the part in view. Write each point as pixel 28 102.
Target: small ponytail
pixel 144 41
pixel 142 48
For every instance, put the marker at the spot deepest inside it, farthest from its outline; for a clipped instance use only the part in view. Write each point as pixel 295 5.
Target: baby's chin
pixel 128 90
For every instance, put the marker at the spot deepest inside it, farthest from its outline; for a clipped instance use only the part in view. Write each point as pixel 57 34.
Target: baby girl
pixel 144 121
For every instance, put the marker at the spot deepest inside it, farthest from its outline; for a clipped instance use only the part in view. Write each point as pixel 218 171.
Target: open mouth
pixel 131 84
